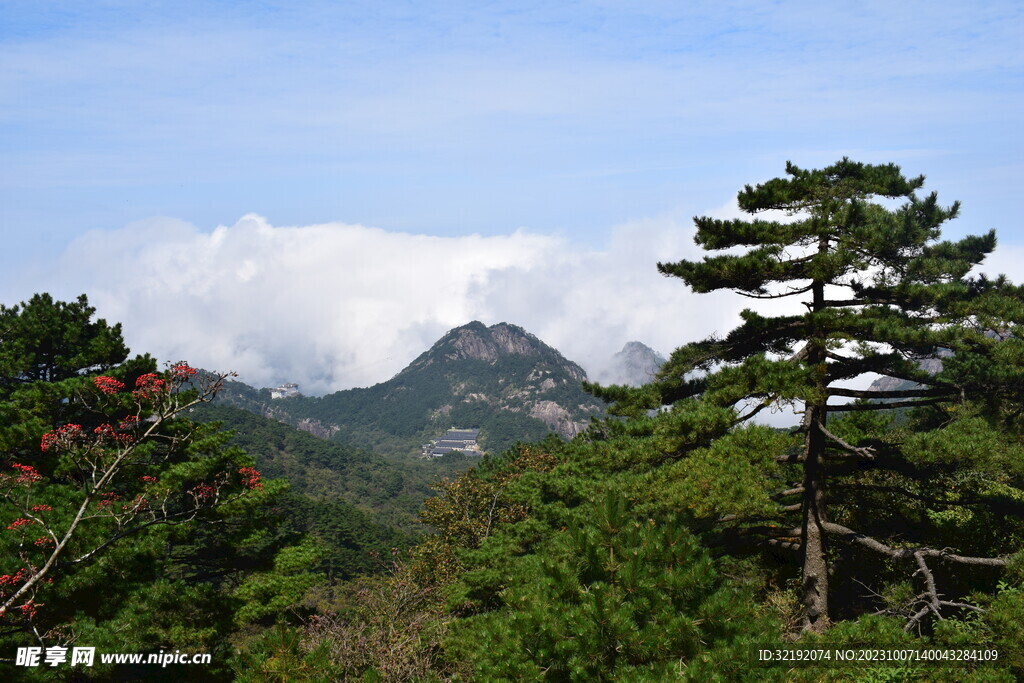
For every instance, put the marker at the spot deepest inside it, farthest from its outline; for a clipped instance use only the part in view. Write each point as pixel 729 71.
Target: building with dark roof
pixel 455 439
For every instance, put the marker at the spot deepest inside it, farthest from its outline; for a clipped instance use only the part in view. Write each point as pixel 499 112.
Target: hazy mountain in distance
pixel 635 365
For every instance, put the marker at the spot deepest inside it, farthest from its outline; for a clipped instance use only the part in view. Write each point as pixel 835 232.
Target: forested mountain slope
pixel 391 490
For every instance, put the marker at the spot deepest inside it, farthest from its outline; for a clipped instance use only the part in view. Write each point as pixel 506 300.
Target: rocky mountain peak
pixel 635 348
pixel 477 341
pixel 487 343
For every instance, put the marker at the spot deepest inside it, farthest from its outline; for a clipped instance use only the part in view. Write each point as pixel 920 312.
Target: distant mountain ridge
pixel 500 379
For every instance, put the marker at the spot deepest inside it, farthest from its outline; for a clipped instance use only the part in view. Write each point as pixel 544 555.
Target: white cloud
pixel 334 306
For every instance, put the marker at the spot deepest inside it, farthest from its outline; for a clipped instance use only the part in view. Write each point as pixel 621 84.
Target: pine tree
pixel 613 598
pixel 49 341
pixel 882 294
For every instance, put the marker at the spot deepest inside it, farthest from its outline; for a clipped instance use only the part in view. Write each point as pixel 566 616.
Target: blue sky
pixel 574 122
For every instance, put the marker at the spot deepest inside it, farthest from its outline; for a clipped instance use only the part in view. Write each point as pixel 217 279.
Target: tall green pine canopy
pixel 881 293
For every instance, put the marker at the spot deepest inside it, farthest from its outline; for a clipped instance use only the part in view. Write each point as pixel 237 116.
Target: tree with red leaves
pixel 89 461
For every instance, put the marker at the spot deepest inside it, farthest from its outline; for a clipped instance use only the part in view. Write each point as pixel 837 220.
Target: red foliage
pixel 26 474
pixel 182 371
pixel 107 432
pixel 204 492
pixel 108 500
pixel 12 579
pixel 251 478
pixel 108 385
pixel 29 608
pixel 149 386
pixel 63 436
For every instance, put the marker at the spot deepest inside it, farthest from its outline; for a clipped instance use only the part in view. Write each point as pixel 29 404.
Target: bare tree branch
pixel 907 553
pixel 863 451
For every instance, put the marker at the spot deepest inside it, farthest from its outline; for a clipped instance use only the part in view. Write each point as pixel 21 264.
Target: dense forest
pixel 675 539
pixel 391 489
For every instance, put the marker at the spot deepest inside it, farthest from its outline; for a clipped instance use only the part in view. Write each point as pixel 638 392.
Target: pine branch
pixel 863 451
pixel 931 591
pixel 792 292
pixel 839 303
pixel 933 601
pixel 909 494
pixel 907 553
pixel 845 407
pixel 896 393
pixel 799 355
pixel 774 531
pixel 960 605
pixel 853 367
pixel 168 519
pixel 799 458
pixel 743 418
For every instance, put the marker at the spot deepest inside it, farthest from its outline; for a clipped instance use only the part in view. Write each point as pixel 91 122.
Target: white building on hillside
pixel 285 391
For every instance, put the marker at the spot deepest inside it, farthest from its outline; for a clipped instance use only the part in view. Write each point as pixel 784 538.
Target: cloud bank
pixel 334 306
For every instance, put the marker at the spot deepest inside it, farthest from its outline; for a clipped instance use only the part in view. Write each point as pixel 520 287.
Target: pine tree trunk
pixel 814 587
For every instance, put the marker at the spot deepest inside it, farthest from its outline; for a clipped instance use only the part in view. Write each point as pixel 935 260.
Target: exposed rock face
pixel 442 411
pixel 503 338
pixel 550 412
pixel 480 342
pixel 314 427
pixel 317 428
pixel 529 387
pixel 931 365
pixel 557 418
pixel 635 365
